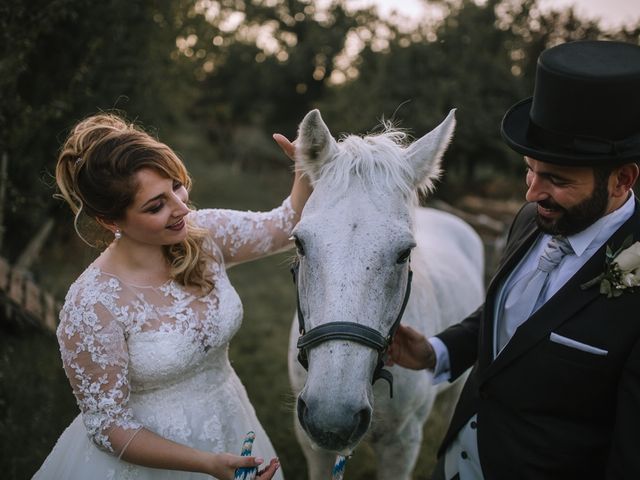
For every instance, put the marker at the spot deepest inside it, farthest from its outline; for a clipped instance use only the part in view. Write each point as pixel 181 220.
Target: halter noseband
pixel 348 331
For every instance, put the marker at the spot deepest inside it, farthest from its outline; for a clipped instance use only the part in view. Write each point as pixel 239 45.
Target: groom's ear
pixel 622 180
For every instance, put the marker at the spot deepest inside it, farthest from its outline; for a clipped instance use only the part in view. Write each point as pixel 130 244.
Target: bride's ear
pixel 108 224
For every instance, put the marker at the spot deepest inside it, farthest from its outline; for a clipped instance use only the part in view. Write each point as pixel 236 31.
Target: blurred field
pixel 36 403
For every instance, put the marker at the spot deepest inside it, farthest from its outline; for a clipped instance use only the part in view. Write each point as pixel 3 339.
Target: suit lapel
pixel 568 300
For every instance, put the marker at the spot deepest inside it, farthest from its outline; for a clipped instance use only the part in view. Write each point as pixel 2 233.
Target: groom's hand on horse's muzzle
pixel 411 349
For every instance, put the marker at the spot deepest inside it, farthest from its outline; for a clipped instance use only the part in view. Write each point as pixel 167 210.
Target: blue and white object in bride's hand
pixel 338 468
pixel 246 473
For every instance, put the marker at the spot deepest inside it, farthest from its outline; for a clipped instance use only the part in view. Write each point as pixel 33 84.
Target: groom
pixel 554 392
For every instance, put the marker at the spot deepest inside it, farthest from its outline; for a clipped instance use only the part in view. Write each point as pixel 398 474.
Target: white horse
pixel 354 240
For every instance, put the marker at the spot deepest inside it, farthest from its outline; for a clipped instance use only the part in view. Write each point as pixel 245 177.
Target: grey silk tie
pixel 526 295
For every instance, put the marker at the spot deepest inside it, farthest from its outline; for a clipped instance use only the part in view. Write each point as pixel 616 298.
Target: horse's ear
pixel 425 154
pixel 314 144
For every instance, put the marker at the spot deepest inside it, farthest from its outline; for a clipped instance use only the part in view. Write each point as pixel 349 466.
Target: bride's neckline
pixel 128 283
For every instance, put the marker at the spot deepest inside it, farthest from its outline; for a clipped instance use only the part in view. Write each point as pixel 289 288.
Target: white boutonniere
pixel 621 271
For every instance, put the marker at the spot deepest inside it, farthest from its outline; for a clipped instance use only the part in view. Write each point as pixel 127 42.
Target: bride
pixel 145 329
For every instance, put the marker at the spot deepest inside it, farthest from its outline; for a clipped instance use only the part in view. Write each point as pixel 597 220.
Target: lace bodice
pixel 117 339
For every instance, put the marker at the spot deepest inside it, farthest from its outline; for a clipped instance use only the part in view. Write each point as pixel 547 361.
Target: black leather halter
pixel 348 331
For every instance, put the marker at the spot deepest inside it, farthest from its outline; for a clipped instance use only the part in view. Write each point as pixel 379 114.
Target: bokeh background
pixel 214 79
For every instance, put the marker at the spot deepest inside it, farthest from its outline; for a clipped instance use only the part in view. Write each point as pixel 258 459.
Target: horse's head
pixel 354 241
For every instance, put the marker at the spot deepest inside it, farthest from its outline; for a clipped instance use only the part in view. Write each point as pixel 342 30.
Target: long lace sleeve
pixel 243 236
pixel 95 359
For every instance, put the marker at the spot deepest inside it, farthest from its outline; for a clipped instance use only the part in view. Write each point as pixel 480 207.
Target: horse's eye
pixel 404 256
pixel 299 246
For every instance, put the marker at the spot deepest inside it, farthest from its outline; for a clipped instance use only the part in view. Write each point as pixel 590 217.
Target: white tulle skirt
pixel 200 412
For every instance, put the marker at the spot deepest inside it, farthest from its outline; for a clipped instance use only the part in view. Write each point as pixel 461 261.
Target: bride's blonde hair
pixel 95 175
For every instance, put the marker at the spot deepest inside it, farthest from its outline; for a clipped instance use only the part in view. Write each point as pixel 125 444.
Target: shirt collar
pixel 599 231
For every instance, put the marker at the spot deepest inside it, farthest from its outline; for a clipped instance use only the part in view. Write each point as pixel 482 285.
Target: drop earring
pixel 117 234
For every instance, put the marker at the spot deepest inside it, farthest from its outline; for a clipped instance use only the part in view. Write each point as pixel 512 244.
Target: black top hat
pixel 585 109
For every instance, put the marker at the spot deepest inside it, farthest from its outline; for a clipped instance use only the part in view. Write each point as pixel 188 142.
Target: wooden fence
pixel 24 302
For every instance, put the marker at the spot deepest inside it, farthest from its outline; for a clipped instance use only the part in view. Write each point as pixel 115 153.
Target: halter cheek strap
pixel 350 331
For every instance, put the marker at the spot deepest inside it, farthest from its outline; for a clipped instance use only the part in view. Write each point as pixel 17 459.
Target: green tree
pixel 423 76
pixel 251 85
pixel 65 59
pixel 480 59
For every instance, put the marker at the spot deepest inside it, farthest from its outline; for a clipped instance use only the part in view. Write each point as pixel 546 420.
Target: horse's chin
pixel 345 452
pixel 330 442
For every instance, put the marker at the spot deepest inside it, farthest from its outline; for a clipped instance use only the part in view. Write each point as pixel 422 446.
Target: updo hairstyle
pixel 95 176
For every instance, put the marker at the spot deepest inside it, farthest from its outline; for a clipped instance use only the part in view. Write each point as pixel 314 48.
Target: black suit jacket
pixel 547 411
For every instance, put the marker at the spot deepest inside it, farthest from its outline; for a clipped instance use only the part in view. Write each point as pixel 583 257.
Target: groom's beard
pixel 575 219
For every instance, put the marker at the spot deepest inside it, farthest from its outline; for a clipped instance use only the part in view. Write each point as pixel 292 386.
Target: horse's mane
pixel 377 159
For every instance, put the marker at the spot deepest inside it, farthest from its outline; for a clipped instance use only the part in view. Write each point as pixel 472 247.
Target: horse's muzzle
pixel 337 431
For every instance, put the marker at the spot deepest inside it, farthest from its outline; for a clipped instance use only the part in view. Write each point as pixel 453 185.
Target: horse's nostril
pixel 302 411
pixel 364 415
pixel 362 421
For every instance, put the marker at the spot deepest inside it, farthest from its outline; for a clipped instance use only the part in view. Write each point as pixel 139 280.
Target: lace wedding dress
pixel 156 357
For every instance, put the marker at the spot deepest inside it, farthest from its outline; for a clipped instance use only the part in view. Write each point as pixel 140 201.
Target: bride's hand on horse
pixel 301 184
pixel 225 465
pixel 286 145
pixel 411 349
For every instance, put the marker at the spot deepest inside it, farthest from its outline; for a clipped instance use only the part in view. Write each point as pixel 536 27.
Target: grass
pixel 36 403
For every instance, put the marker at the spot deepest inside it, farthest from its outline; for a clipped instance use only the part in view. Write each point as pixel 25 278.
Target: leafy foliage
pixel 65 59
pixel 237 70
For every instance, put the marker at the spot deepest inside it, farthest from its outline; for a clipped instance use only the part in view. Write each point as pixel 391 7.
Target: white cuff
pixel 442 371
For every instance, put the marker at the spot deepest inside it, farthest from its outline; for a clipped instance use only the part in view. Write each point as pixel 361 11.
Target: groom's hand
pixel 411 349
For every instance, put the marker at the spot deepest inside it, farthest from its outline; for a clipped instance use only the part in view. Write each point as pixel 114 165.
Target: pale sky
pixel 612 12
